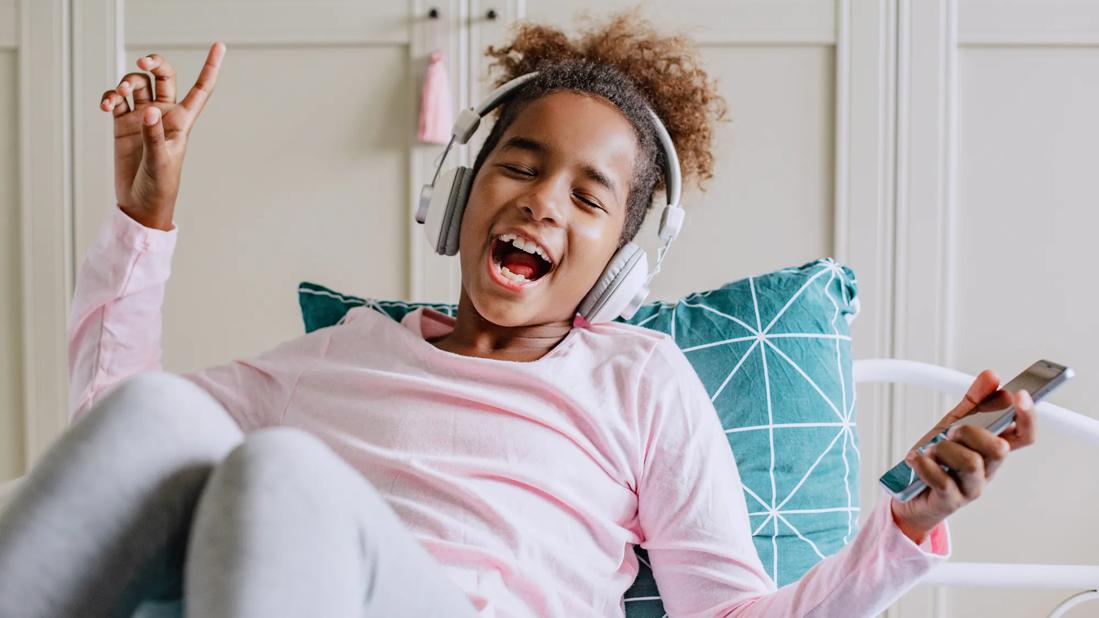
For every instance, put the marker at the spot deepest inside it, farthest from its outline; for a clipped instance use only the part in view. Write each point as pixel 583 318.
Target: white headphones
pixel 624 284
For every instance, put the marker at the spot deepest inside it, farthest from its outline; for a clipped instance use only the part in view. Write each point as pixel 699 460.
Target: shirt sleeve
pixel 115 331
pixel 695 526
pixel 114 323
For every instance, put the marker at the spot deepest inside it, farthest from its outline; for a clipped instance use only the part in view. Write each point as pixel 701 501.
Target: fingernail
pixel 910 457
pixel 152 115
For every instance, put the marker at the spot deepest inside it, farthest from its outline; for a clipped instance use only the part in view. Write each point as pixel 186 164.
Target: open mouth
pixel 518 262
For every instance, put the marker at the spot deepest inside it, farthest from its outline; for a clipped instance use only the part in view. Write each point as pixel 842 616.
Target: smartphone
pixel 994 413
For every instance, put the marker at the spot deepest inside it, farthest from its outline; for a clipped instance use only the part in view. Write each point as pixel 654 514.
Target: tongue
pixel 520 263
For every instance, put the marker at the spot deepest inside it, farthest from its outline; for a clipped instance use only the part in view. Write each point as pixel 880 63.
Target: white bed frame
pixel 998 575
pixel 994 574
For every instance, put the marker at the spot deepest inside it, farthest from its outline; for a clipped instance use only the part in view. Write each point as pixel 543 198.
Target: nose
pixel 543 203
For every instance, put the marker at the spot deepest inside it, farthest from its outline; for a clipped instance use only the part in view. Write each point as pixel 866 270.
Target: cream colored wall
pixel 1028 209
pixel 781 95
pixel 298 168
pixel 296 171
pixel 781 107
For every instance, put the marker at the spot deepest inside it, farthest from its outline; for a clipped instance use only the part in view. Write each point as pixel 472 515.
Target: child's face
pixel 535 181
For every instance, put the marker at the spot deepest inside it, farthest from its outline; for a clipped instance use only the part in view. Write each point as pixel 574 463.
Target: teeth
pixel 510 275
pixel 526 245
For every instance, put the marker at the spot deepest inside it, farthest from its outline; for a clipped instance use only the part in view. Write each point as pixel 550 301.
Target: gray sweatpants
pixel 156 493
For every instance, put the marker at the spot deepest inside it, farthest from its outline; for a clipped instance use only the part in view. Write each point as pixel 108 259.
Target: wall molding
pixel 45 162
pixel 924 257
pixel 242 22
pixel 1027 23
pixel 430 276
pixel 9 25
pixel 99 62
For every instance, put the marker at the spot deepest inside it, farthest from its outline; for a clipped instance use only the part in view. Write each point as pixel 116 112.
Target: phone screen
pixel 994 412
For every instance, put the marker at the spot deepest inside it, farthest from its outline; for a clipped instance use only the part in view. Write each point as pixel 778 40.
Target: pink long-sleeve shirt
pixel 527 481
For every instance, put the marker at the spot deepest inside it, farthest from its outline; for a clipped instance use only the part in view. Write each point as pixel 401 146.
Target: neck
pixel 473 335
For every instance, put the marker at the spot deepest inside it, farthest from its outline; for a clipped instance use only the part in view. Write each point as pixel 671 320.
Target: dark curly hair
pixel 628 63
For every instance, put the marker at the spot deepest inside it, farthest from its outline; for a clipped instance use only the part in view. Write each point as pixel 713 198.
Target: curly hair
pixel 627 62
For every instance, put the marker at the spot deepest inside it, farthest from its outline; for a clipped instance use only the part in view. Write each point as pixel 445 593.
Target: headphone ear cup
pixel 456 207
pixel 443 219
pixel 621 281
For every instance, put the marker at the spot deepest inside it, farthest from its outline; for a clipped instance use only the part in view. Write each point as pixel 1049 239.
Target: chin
pixel 501 312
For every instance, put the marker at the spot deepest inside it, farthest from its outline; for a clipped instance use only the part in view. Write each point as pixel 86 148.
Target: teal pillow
pixel 792 388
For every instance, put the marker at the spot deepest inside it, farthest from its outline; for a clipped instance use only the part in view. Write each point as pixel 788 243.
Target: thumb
pixel 152 132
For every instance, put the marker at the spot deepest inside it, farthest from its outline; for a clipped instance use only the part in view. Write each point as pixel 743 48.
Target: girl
pixel 500 463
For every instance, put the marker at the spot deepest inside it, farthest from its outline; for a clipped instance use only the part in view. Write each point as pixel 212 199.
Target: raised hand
pixel 150 140
pixel 973 454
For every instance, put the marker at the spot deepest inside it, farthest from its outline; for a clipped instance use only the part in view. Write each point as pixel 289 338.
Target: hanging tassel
pixel 436 110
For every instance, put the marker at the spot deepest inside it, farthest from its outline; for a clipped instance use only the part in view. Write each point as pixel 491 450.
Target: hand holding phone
pixel 995 413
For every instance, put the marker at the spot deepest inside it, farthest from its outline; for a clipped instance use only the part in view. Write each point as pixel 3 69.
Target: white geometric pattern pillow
pixel 774 352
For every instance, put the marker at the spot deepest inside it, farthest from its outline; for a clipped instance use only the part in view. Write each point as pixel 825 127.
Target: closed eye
pixel 589 202
pixel 518 170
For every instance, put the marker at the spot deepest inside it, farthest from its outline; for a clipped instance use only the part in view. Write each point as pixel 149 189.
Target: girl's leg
pixel 102 520
pixel 285 527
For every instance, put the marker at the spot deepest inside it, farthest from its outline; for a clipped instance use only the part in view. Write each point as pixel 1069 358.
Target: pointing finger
pixel 983 385
pixel 204 86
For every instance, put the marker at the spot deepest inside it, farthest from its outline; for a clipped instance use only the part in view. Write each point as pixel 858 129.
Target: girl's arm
pixel 115 330
pixel 115 321
pixel 695 523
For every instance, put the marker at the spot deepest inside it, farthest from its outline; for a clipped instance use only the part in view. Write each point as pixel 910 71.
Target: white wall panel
pixel 769 204
pixel 264 22
pixel 1028 22
pixel 45 216
pixel 297 170
pixel 1028 209
pixel 9 24
pixel 781 22
pixel 11 326
pixel 300 168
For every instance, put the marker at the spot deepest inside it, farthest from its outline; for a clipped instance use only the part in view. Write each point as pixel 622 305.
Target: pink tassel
pixel 436 110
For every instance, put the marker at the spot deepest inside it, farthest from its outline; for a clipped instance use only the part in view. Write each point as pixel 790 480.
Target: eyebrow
pixel 537 147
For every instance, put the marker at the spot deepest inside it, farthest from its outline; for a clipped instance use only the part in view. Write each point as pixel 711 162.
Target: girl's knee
pixel 284 453
pixel 167 396
pixel 167 410
pixel 277 460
